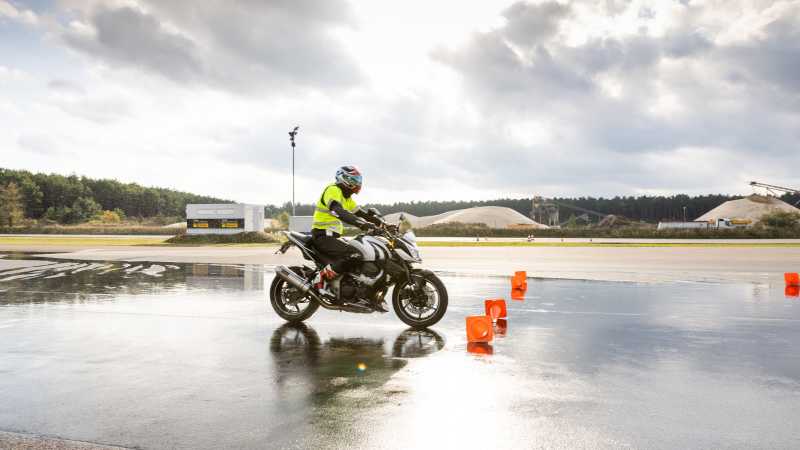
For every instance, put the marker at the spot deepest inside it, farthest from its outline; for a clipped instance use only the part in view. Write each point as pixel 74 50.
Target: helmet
pixel 349 177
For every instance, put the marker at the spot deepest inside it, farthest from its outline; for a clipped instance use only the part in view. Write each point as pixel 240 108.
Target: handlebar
pixel 385 230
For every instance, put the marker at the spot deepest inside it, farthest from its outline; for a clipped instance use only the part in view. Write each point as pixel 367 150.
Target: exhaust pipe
pixel 294 279
pixel 303 286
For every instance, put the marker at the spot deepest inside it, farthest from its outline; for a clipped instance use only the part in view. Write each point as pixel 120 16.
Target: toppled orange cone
pixel 479 329
pixel 495 308
pixel 519 280
pixel 792 291
pixel 791 278
pixel 480 348
pixel 501 327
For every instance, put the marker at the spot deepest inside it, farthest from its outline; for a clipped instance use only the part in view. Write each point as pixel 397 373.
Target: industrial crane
pixel 772 189
pixel 546 211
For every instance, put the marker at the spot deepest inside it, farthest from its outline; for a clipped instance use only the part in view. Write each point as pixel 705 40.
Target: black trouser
pixel 342 255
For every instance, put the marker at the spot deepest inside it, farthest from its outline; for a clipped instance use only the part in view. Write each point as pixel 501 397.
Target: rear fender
pixel 307 252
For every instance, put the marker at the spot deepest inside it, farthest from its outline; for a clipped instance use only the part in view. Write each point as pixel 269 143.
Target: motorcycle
pixel 419 297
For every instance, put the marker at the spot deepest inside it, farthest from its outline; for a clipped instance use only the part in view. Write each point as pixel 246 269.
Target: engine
pixel 370 269
pixel 348 288
pixel 358 285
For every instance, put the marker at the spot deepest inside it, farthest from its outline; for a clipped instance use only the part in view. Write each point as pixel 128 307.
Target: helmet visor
pixel 353 182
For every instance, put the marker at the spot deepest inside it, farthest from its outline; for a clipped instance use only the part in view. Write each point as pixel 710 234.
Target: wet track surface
pixel 192 356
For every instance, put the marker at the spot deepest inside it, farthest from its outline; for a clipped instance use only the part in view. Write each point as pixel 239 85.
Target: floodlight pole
pixel 292 134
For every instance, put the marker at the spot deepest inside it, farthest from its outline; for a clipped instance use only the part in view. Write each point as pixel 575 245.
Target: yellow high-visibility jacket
pixel 323 219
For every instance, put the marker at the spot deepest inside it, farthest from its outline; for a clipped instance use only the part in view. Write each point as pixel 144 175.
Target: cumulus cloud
pixel 77 101
pixel 533 23
pixel 10 73
pixel 234 45
pixel 9 11
pixel 774 57
pixel 620 100
pixel 65 86
pixel 557 98
pixel 130 37
pixel 38 143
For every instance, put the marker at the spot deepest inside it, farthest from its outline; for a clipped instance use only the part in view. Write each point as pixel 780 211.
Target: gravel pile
pixel 751 208
pixel 492 216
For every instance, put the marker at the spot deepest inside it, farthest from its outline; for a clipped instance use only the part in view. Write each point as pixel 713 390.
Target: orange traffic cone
pixel 480 348
pixel 501 327
pixel 495 308
pixel 519 280
pixel 792 291
pixel 517 294
pixel 479 329
pixel 791 278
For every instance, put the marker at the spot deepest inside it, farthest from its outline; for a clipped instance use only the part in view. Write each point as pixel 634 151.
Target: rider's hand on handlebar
pixel 368 227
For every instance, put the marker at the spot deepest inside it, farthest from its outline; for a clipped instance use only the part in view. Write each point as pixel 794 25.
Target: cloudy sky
pixel 445 99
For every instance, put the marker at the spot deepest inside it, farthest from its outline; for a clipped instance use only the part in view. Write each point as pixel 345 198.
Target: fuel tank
pixel 371 248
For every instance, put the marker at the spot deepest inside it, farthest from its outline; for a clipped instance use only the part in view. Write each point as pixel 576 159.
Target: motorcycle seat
pixel 308 242
pixel 305 238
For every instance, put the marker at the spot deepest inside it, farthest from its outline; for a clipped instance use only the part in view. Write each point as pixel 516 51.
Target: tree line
pixel 73 199
pixel 646 208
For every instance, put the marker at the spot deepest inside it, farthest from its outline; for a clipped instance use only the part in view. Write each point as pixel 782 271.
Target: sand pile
pixel 492 216
pixel 750 208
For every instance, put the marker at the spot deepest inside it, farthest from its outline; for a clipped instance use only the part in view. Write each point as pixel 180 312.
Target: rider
pixel 336 205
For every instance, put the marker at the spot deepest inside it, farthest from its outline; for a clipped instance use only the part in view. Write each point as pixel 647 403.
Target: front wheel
pixel 422 301
pixel 289 302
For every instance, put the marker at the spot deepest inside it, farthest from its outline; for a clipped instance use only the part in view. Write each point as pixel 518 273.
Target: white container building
pixel 223 218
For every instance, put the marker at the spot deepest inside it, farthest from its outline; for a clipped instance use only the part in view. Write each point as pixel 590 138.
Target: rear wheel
pixel 289 302
pixel 422 301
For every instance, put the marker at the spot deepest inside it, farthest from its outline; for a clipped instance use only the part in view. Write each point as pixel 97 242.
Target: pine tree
pixel 12 209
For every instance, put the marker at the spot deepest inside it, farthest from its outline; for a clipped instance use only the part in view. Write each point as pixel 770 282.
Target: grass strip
pixel 250 238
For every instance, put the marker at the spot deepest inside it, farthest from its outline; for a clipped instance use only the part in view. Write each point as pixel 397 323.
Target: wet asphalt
pixel 157 355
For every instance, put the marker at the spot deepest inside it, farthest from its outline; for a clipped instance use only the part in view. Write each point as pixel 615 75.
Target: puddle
pixel 155 355
pixel 55 276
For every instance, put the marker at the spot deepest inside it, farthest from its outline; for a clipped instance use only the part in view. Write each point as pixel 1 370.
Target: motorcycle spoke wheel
pixel 421 306
pixel 289 303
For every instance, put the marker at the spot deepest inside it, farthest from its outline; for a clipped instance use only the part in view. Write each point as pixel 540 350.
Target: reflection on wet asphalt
pixel 191 356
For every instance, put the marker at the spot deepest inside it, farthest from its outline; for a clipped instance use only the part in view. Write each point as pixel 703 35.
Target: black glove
pixel 367 226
